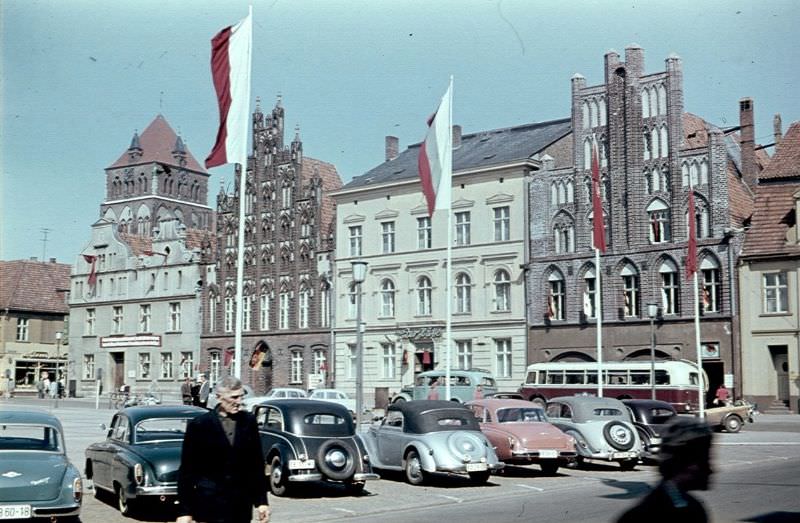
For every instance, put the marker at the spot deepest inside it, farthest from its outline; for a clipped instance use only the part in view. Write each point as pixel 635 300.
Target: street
pixel 755 479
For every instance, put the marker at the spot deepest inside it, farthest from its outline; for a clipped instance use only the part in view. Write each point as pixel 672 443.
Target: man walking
pixel 186 391
pixel 203 391
pixel 221 477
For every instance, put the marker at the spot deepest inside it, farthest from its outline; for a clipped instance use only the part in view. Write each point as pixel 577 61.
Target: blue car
pixel 36 478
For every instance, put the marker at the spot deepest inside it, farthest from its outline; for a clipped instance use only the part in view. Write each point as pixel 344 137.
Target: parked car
pixel 37 479
pixel 649 418
pixel 602 428
pixel 463 385
pixel 521 433
pixel 730 418
pixel 212 396
pixel 335 396
pixel 425 436
pixel 309 440
pixel 250 402
pixel 140 457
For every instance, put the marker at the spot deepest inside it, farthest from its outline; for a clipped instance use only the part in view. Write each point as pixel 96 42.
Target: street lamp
pixel 59 334
pixel 359 274
pixel 652 312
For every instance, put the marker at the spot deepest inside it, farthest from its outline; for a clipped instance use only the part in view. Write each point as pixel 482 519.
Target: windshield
pixel 30 437
pixel 520 415
pixel 160 429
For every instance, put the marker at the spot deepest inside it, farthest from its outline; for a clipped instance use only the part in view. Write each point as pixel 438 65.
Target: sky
pixel 79 77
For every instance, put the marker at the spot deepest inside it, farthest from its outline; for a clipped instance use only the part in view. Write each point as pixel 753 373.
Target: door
pixel 782 375
pixel 119 369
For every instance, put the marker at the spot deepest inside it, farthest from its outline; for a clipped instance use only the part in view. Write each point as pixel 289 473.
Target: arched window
pixel 711 285
pixel 685 174
pixel 645 103
pixel 653 101
pixel 586 117
pixel 704 172
pixel 603 151
pixel 556 299
pixel 630 291
pixel 653 180
pixel 463 293
pixel 502 291
pixel 658 217
pixel 648 145
pixel 589 293
pixel 662 99
pixel 654 143
pixel 297 367
pixel 570 191
pixel 424 291
pixel 587 154
pixel 693 172
pixel 605 229
pixel 602 105
pixel 595 112
pixel 387 298
pixel 664 142
pixel 562 192
pixel 554 193
pixel 670 290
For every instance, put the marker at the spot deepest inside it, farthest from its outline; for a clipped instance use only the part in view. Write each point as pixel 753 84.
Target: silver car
pixel 426 436
pixel 602 428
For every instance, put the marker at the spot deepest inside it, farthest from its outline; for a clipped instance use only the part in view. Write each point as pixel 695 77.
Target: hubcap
pixel 276 475
pixel 337 458
pixel 414 467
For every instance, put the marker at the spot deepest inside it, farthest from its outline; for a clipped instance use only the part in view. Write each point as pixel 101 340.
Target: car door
pixel 390 439
pixel 104 452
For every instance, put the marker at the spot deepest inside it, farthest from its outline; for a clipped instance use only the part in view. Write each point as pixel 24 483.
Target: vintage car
pixel 309 440
pixel 36 478
pixel 602 428
pixel 335 396
pixel 522 435
pixel 649 418
pixel 140 457
pixel 464 385
pixel 425 436
pixel 250 401
pixel 730 417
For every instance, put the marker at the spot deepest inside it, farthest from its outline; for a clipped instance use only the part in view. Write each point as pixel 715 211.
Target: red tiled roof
pixel 785 163
pixel 740 197
pixel 141 245
pixel 773 216
pixel 330 182
pixel 33 286
pixel 695 134
pixel 157 143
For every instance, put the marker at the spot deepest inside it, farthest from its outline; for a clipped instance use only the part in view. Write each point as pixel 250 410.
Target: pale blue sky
pixel 78 77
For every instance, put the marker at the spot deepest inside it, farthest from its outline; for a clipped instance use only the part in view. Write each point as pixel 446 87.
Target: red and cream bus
pixel 676 381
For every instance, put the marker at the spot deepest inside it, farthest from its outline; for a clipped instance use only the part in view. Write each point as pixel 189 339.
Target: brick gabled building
pixel 287 282
pixel 649 149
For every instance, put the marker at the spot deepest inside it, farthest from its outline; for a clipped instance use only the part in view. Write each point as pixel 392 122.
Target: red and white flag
pixel 89 258
pixel 435 160
pixel 598 222
pixel 231 51
pixel 691 255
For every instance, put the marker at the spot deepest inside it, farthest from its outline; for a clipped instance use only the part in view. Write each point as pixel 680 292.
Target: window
pixel 229 314
pixel 424 233
pixel 669 288
pixel 187 364
pixel 263 312
pixel 247 312
pixel 175 316
pixel 389 359
pixel 320 365
pixel 352 300
pixel 144 318
pixel 88 367
pixel 387 298
pixel 116 320
pixel 166 365
pixel 463 293
pixel 351 360
pixel 297 367
pixel 284 310
pixel 88 327
pixel 590 294
pixel 564 237
pixel 463 228
pixel 303 308
pixel 463 354
pixel 556 299
pixel 630 291
pixel 286 196
pixel 659 226
pixel 355 240
pixel 502 354
pixel 214 367
pixel 424 290
pixel 23 325
pixel 776 292
pixel 501 224
pixel 712 286
pixel 213 300
pixel 325 306
pixel 144 366
pixel 387 237
pixel 502 291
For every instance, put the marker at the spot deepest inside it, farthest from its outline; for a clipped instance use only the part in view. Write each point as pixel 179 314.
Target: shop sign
pixel 413 333
pixel 114 342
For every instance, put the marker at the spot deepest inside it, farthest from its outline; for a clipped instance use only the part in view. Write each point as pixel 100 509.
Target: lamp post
pixel 59 334
pixel 359 274
pixel 652 312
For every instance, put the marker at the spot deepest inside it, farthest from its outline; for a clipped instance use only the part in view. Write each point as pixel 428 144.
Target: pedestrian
pixel 203 391
pixel 433 391
pixel 40 387
pixel 685 465
pixel 722 395
pixel 478 392
pixel 53 387
pixel 221 477
pixel 186 391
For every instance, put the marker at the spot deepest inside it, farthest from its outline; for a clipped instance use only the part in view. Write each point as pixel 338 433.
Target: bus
pixel 676 381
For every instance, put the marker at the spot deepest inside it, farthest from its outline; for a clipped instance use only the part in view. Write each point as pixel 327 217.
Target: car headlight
pixel 138 473
pixel 77 490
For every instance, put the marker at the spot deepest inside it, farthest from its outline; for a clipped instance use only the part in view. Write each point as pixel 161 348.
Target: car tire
pixel 336 459
pixel 628 464
pixel 355 488
pixel 278 483
pixel 619 435
pixel 415 475
pixel 124 504
pixel 733 424
pixel 480 477
pixel 549 467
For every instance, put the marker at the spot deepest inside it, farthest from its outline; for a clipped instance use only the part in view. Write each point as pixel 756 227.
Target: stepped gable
pixel 29 285
pixel 157 144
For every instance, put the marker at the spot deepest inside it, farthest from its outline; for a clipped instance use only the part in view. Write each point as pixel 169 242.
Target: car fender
pixel 425 457
pixel 282 450
pixel 122 471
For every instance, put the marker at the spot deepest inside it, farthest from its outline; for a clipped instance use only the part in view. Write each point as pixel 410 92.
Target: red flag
pixel 426 358
pixel 231 50
pixel 228 359
pixel 435 161
pixel 691 255
pixel 656 230
pixel 92 273
pixel 598 223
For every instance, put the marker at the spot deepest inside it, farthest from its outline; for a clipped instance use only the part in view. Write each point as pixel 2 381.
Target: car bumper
pixel 462 468
pixel 615 456
pixel 306 476
pixel 536 455
pixel 55 511
pixel 157 490
pixel 365 476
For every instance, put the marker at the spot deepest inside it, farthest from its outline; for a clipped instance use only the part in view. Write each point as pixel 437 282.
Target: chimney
pixel 392 147
pixel 456 136
pixel 776 130
pixel 748 142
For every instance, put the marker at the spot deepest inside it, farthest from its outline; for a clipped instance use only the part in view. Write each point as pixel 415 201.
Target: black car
pixel 649 417
pixel 141 454
pixel 310 440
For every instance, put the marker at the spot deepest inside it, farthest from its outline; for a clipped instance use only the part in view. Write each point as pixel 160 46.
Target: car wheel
pixel 124 504
pixel 628 464
pixel 619 435
pixel 277 481
pixel 539 402
pixel 335 459
pixel 733 423
pixel 355 488
pixel 414 473
pixel 480 477
pixel 549 467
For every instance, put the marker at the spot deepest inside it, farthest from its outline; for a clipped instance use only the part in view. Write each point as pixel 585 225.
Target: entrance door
pixel 715 370
pixel 118 369
pixel 782 375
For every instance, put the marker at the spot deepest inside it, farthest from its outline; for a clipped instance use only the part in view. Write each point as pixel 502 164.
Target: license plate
pixel 548 453
pixel 297 464
pixel 624 455
pixel 475 467
pixel 15 511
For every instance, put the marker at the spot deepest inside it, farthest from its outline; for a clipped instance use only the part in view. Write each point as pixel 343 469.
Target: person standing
pixel 685 465
pixel 433 390
pixel 203 391
pixel 186 391
pixel 722 395
pixel 221 477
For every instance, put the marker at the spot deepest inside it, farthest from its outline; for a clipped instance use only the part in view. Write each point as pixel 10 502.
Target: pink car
pixel 521 434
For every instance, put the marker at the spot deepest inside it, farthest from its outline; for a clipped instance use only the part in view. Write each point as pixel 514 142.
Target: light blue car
pixel 465 385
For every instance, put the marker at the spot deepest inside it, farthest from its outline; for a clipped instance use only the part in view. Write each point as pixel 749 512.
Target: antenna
pixel 44 231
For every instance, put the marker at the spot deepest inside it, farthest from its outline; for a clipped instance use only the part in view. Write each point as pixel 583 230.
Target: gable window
pixel 463 228
pixel 775 292
pixel 424 291
pixel 463 293
pixel 175 316
pixel 670 291
pixel 355 240
pixel 501 224
pixel 387 237
pixel 23 328
pixel 630 291
pixel 424 233
pixel 387 298
pixel 502 291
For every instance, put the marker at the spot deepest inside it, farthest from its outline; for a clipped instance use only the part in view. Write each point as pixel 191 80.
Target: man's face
pixel 230 401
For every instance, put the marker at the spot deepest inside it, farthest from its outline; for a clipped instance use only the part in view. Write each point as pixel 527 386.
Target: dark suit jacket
pixel 218 482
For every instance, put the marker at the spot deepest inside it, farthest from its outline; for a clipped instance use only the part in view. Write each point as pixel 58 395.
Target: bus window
pixel 639 377
pixel 617 377
pixel 555 377
pixel 693 379
pixel 574 377
pixel 531 378
pixel 591 377
pixel 662 377
pixel 542 377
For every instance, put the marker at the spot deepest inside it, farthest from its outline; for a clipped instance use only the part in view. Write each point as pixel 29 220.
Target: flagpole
pixel 700 380
pixel 598 300
pixel 449 270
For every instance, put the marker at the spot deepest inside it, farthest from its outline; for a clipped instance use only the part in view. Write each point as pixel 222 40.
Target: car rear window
pixel 660 416
pixel 607 412
pixel 452 422
pixel 29 437
pixel 323 424
pixel 523 415
pixel 160 429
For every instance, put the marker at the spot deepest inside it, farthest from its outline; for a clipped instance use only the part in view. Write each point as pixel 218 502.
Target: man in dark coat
pixel 222 475
pixel 186 391
pixel 685 465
